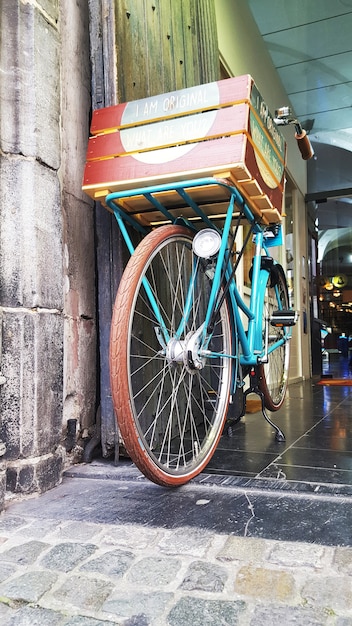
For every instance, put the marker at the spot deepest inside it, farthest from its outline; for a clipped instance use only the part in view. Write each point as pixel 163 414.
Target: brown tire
pixel 170 398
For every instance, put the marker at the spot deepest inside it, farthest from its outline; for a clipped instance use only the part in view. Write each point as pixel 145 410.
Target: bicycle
pixel 183 338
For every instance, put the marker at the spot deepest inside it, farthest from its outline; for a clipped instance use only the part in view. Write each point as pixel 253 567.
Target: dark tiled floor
pixel 317 422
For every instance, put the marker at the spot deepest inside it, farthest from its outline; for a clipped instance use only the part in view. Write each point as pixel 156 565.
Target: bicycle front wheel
pixel 169 392
pixel 273 375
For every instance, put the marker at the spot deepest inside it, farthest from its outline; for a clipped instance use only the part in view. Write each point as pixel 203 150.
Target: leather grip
pixel 305 147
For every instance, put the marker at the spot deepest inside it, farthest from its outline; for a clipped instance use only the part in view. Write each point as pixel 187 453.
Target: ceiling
pixel 310 43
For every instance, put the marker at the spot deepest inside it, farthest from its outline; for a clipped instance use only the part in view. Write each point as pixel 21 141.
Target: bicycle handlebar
pixel 283 117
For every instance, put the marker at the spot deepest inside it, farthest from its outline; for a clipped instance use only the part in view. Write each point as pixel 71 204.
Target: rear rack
pixel 196 201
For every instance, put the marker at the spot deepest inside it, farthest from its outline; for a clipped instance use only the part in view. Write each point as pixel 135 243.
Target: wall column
pixel 30 246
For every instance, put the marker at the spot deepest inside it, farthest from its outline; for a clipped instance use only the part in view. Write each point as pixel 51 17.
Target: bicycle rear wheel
pixel 273 375
pixel 170 397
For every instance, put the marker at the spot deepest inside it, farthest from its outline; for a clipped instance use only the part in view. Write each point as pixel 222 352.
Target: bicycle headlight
pixel 206 243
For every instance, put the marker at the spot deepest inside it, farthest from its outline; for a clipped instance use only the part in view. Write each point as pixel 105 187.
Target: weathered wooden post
pixel 140 48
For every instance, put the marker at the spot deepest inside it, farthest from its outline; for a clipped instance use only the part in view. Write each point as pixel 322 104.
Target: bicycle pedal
pixel 283 318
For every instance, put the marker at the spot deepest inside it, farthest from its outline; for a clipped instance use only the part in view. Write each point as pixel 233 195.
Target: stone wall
pixel 47 269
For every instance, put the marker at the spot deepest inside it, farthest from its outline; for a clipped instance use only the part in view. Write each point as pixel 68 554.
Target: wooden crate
pixel 221 129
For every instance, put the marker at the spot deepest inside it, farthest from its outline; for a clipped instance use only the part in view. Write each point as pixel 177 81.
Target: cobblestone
pixel 72 572
pixel 343 560
pixel 290 616
pixel 331 592
pixel 33 616
pixel 235 549
pixel 65 556
pixel 204 576
pixel 298 555
pixel 25 553
pixel 28 587
pixel 263 583
pixel 114 563
pixel 154 572
pixel 137 605
pixel 198 612
pixel 81 592
pixel 194 542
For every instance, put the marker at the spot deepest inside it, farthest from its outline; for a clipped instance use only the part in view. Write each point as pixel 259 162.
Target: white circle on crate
pixel 167 139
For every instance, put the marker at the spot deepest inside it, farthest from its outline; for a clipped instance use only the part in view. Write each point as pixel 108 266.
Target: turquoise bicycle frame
pixel 249 339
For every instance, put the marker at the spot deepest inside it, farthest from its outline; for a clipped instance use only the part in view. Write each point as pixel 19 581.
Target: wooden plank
pixel 192 70
pixel 131 44
pixel 232 153
pixel 218 154
pixel 178 51
pixel 155 67
pixel 123 45
pixel 207 51
pixel 178 131
pixel 165 46
pixel 172 104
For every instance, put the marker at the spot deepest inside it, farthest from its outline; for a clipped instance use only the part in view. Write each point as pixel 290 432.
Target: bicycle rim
pixel 171 401
pixel 273 375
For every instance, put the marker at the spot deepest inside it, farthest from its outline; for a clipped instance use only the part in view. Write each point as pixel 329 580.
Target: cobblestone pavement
pixel 58 568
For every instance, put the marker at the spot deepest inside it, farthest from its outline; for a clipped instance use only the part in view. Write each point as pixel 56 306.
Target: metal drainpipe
pixel 95 441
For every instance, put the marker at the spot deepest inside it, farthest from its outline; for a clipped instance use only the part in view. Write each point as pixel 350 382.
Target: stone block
pixel 28 587
pixel 191 541
pixel 154 571
pixel 82 592
pixel 343 560
pixel 31 399
pixel 31 235
pixel 130 536
pixel 79 366
pixel 76 102
pixel 37 616
pixel 298 555
pixel 260 582
pixel 30 89
pixel 35 475
pixel 288 615
pixel 205 577
pixel 114 563
pixel 66 556
pixel 235 549
pixel 135 606
pixel 79 258
pixel 198 611
pixel 333 593
pixel 24 553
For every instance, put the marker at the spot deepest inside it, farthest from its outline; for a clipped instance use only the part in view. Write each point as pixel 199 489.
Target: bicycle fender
pixel 275 269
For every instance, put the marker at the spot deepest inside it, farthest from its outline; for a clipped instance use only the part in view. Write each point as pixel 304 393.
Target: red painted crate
pixel 221 129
